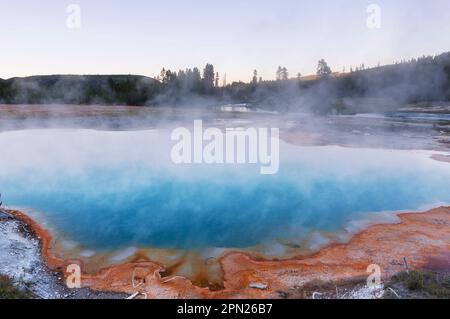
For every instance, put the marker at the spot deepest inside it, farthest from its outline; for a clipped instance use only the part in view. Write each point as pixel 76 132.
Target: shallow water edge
pixel 418 237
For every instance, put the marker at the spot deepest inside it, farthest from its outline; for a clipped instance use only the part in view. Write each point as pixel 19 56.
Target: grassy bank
pixel 9 291
pixel 420 284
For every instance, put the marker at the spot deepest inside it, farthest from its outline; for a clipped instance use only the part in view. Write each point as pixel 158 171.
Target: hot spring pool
pixel 112 190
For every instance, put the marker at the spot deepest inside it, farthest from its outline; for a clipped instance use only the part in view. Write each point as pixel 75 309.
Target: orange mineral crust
pixel 418 237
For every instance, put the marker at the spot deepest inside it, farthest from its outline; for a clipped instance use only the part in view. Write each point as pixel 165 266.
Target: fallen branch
pixel 133 295
pixel 394 292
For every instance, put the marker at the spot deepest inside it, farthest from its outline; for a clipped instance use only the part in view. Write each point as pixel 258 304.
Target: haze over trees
pixel 255 77
pixel 282 74
pixel 419 80
pixel 323 70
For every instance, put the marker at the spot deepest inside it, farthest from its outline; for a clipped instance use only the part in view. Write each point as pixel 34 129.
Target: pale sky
pixel 237 36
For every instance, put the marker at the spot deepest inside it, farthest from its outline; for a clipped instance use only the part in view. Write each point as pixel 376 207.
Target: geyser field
pixel 243 152
pixel 114 192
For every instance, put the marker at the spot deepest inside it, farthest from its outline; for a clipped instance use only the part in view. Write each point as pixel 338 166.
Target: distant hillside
pixel 425 79
pixel 79 89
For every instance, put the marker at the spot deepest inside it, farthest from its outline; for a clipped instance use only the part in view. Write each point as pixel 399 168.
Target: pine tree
pixel 323 70
pixel 255 77
pixel 208 77
pixel 284 74
pixel 279 72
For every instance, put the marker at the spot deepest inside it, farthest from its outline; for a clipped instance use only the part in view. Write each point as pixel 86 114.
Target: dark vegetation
pixel 416 284
pixel 421 284
pixel 426 79
pixel 77 89
pixel 9 291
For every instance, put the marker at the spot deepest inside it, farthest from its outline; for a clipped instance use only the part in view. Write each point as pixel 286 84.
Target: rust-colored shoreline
pixel 417 237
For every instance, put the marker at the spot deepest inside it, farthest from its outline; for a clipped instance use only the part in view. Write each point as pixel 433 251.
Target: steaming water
pixel 404 116
pixel 111 190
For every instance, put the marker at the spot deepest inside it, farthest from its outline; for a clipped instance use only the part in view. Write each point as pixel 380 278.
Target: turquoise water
pixel 108 191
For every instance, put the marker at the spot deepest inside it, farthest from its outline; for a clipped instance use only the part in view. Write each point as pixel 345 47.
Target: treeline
pixel 426 79
pixel 416 80
pixel 80 89
pixel 419 80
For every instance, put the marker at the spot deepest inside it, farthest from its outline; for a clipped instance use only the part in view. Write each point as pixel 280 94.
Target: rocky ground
pixel 22 263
